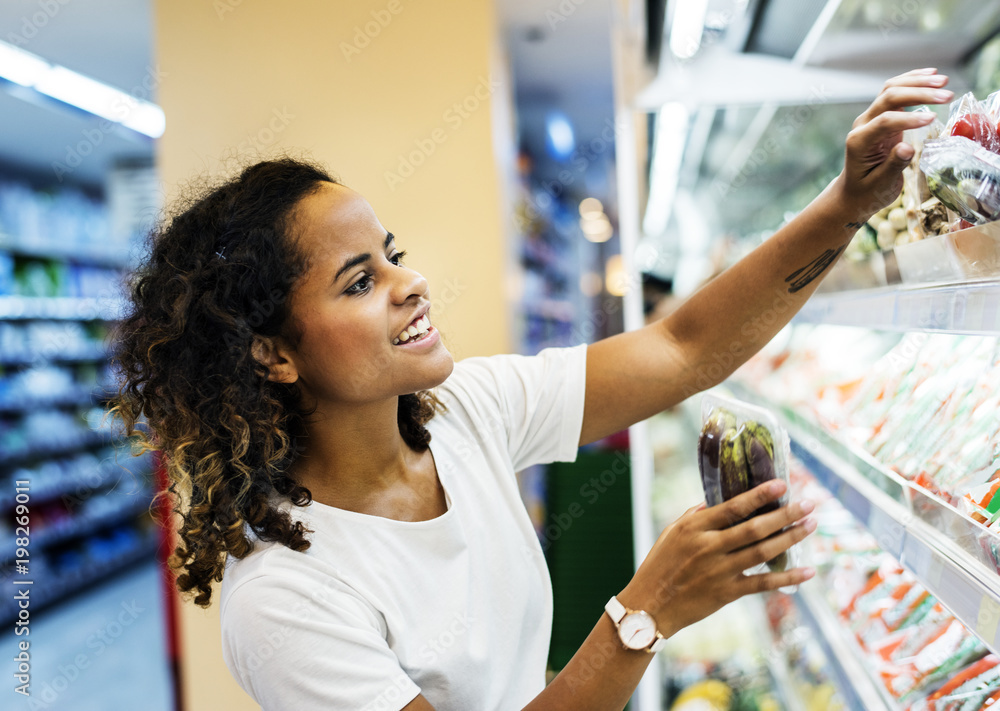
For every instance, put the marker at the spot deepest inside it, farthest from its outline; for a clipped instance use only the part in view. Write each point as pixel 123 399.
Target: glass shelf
pixel 962 308
pixel 955 558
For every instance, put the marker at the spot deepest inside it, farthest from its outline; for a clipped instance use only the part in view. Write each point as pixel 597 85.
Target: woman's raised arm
pixel 634 375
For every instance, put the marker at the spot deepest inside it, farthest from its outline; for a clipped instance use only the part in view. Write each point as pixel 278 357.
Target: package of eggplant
pixel 742 446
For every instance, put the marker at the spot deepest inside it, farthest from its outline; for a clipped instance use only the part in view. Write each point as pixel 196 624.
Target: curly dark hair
pixel 216 279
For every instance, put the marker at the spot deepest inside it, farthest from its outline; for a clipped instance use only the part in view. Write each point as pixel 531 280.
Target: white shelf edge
pixel 961 308
pixel 846 660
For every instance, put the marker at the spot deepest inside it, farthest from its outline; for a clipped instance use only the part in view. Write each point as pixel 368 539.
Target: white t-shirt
pixel 458 608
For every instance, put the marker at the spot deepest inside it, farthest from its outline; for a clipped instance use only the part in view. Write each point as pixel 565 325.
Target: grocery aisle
pixel 100 653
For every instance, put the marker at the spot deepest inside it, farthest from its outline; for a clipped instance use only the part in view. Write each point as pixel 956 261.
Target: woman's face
pixel 353 302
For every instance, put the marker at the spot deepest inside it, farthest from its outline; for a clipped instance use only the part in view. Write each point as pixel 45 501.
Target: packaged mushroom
pixel 925 215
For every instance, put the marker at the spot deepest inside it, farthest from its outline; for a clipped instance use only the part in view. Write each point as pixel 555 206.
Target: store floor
pixel 105 650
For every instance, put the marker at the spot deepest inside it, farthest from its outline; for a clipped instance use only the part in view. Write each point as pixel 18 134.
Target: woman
pixel 357 487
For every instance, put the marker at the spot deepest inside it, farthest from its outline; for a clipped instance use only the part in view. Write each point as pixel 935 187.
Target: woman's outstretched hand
pixel 876 153
pixel 696 565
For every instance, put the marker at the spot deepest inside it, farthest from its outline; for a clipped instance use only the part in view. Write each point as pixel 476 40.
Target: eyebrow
pixel 361 258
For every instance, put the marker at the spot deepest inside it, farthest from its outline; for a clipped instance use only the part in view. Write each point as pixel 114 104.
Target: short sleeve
pixel 538 399
pixel 297 651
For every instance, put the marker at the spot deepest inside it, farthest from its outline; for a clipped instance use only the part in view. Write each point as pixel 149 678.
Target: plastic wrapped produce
pixel 964 176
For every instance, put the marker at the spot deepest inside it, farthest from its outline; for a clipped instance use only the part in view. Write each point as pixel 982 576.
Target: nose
pixel 408 283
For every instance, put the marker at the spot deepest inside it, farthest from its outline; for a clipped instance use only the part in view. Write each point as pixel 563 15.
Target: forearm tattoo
pixel 801 278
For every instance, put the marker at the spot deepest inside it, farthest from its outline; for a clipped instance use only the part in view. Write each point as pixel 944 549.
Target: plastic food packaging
pixel 925 215
pixel 972 119
pixel 742 446
pixel 964 176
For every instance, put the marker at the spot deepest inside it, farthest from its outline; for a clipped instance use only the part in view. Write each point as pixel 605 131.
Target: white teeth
pixel 420 327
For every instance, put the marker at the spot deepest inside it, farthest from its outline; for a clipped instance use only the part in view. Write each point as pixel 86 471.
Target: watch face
pixel 637 630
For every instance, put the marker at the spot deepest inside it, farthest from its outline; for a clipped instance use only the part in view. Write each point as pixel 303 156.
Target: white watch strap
pixel 615 610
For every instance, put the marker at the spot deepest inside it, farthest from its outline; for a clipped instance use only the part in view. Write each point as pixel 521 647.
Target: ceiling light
pixel 687 28
pixel 591 208
pixel 19 66
pixel 560 135
pixel 668 150
pixel 80 91
pixel 598 229
pixel 615 276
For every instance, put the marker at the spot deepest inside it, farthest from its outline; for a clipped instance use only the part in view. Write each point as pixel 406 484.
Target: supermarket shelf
pixel 77 527
pixel 90 440
pixel 953 556
pixel 91 354
pixel 117 258
pixel 45 593
pixel 59 308
pixel 847 668
pixel 961 308
pixel 79 398
pixel 85 484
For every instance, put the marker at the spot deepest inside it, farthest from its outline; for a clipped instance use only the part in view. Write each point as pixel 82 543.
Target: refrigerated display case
pixel 746 165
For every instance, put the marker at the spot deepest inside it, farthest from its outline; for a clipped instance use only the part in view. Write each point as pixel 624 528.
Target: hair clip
pixel 220 254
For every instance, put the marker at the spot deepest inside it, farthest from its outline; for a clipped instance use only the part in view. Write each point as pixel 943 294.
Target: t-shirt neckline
pixel 382 520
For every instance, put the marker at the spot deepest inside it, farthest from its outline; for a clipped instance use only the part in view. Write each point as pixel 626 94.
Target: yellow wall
pixel 240 76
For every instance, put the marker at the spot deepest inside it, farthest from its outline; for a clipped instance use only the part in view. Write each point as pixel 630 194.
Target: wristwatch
pixel 636 628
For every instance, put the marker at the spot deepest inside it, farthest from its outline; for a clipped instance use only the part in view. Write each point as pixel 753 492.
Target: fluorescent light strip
pixel 668 150
pixel 84 93
pixel 687 28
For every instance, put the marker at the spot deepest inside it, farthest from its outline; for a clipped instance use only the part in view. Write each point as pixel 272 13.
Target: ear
pixel 273 354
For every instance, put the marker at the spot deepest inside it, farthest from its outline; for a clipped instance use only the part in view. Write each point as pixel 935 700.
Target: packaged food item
pixel 964 176
pixel 970 119
pixel 969 689
pixel 926 216
pixel 742 446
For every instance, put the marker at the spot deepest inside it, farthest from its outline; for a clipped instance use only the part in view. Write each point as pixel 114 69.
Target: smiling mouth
pixel 415 331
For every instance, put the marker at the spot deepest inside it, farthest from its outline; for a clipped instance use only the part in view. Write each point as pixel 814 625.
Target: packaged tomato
pixel 742 446
pixel 971 119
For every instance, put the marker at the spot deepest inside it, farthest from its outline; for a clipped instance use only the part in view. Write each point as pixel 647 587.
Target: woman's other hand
pixel 696 565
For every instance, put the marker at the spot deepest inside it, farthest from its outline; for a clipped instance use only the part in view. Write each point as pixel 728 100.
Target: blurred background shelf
pixel 76 309
pixel 845 659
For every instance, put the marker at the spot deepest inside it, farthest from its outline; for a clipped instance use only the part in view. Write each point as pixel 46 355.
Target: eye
pixel 361 286
pixel 397 258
